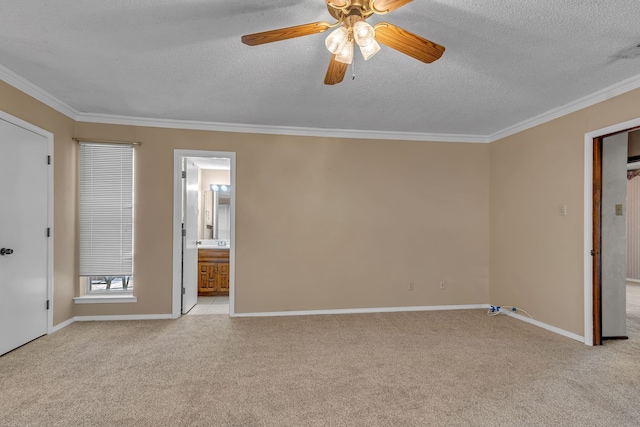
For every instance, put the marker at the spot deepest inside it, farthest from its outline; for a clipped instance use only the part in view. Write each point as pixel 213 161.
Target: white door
pixel 23 236
pixel 189 245
pixel 614 236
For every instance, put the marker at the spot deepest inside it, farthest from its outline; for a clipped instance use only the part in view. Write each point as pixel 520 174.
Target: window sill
pixel 105 299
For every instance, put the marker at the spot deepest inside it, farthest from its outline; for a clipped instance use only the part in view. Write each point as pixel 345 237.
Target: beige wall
pixel 537 254
pixel 65 269
pixel 318 225
pixel 211 176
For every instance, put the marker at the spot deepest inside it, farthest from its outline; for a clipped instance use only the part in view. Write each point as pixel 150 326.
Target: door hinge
pixel 184 291
pixel 184 174
pixel 184 232
pixel 48 304
pixel 48 231
pixel 593 253
pixel 48 160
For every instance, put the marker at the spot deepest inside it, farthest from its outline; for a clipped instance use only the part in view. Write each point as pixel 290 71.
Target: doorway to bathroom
pixel 204 233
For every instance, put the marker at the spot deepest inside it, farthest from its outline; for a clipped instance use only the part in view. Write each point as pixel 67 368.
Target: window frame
pixel 89 295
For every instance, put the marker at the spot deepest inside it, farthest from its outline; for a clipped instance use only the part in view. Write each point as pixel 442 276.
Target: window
pixel 106 217
pixel 109 283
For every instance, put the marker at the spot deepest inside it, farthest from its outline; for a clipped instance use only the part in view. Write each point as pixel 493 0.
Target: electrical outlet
pixel 410 286
pixel 442 285
pixel 563 210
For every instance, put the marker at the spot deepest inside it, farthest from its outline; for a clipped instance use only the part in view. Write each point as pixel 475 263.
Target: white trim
pixel 409 309
pixel 588 219
pixel 546 326
pixel 62 325
pixel 584 102
pixel 633 280
pixel 105 299
pixel 279 130
pixel 363 310
pixel 588 240
pixel 232 249
pixel 68 322
pixel 36 92
pixel 50 200
pixel 178 156
pixel 176 297
pixel 123 317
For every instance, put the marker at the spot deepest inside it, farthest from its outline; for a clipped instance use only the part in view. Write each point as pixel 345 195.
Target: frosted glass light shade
pixel 336 40
pixel 369 50
pixel 363 33
pixel 346 54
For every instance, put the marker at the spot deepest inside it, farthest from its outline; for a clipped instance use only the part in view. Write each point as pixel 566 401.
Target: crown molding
pixel 277 130
pixel 609 92
pixel 45 97
pixel 36 92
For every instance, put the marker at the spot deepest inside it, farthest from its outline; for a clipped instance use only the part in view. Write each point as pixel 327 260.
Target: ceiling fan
pixel 353 29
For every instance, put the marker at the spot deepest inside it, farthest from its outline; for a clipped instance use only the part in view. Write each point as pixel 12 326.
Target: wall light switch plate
pixel 563 210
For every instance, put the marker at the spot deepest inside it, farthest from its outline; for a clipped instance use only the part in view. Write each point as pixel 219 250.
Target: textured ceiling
pixel 212 163
pixel 506 61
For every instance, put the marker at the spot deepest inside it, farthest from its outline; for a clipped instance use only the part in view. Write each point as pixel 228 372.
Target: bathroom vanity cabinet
pixel 213 272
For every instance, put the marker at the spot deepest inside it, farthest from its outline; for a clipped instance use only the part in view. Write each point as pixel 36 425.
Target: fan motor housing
pixel 356 8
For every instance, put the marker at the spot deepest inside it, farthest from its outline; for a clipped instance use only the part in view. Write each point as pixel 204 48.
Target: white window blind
pixel 106 210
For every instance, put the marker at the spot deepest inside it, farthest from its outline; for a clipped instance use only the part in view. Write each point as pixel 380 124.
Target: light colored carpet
pixel 457 368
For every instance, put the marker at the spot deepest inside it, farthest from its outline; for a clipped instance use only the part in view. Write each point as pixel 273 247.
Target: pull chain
pixel 353 67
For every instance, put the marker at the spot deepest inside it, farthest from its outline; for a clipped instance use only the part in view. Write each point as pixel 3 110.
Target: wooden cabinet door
pixel 213 272
pixel 223 277
pixel 207 281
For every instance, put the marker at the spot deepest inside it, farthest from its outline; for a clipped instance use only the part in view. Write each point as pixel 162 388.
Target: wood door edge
pixel 597 240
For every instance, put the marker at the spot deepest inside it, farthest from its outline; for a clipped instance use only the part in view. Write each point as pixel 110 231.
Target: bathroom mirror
pixel 217 213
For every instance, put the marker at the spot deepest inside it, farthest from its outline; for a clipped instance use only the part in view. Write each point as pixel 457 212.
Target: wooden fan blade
pixel 386 6
pixel 285 33
pixel 336 72
pixel 408 43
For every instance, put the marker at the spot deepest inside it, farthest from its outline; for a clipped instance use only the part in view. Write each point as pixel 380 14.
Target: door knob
pixel 6 251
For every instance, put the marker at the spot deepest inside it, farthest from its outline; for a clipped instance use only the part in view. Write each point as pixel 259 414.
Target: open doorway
pixel 607 159
pixel 204 232
pixel 633 236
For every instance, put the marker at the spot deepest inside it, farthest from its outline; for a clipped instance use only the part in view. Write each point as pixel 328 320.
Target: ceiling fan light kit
pixel 370 49
pixel 353 29
pixel 345 55
pixel 336 40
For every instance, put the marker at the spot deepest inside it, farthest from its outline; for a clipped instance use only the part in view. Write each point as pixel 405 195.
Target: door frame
pixel 178 157
pixel 39 131
pixel 593 227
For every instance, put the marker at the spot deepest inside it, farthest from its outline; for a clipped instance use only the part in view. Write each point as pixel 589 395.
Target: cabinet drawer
pixel 213 255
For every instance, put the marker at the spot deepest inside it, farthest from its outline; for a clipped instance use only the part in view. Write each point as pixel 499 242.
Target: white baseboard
pixel 62 325
pixel 110 317
pixel 547 327
pixel 123 317
pixel 407 309
pixel 363 310
pixel 322 312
